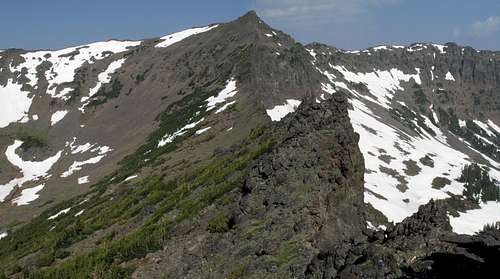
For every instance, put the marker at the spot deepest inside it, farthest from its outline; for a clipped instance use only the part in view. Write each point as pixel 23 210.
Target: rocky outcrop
pixel 304 197
pixel 422 246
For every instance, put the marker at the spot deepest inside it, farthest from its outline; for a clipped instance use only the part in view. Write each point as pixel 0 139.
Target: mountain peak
pixel 250 15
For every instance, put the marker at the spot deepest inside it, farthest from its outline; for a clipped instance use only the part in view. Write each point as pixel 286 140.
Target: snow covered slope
pixel 61 122
pixel 416 137
pixel 114 110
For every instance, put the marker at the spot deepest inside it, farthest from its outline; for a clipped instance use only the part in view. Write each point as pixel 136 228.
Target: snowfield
pixel 401 166
pixel 228 92
pixel 31 171
pixel 179 36
pixel 102 78
pixel 39 170
pixel 77 149
pixel 382 84
pixel 28 195
pixel 15 104
pixel 280 111
pixel 474 220
pixel 383 189
pixel 57 116
pixel 78 165
pixel 66 61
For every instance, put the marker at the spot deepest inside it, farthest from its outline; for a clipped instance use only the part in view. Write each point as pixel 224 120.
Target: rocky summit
pixel 233 151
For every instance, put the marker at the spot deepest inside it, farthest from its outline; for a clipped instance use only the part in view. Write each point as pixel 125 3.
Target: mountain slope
pixel 423 113
pixel 173 110
pixel 146 92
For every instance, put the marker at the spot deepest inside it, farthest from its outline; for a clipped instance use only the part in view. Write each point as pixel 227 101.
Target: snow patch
pixel 81 148
pixel 131 178
pixel 370 226
pixel 179 36
pixel 449 76
pixel 440 48
pixel 77 166
pixel 312 53
pixel 484 127
pixel 83 180
pixel 28 195
pixel 57 116
pixel 328 88
pixel 66 61
pixel 102 78
pixel 79 213
pixel 494 126
pixel 280 111
pixel 15 103
pixel 381 84
pixel 201 131
pixel 228 92
pixel 434 114
pixel 224 107
pixel 64 211
pixel 473 221
pixel 170 138
pixel 31 171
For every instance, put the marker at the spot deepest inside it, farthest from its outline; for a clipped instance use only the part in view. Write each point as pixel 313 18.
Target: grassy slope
pixel 42 248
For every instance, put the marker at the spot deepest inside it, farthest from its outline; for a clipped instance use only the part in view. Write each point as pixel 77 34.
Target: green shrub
pixel 420 98
pixel 32 142
pixel 102 96
pixel 478 184
pixel 219 224
pixel 440 182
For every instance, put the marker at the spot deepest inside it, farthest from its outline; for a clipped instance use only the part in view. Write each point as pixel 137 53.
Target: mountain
pixel 232 151
pixel 88 107
pixel 423 113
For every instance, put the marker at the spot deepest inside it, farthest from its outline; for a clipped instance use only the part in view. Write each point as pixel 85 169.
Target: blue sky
pixel 349 24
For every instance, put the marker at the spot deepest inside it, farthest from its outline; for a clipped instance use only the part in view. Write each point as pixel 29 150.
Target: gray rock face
pixel 422 246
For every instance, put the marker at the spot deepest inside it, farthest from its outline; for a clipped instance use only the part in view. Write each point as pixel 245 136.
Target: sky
pixel 347 24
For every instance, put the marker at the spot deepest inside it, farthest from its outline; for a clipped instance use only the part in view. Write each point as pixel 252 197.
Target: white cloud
pixel 486 27
pixel 304 9
pixel 348 22
pixel 479 30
